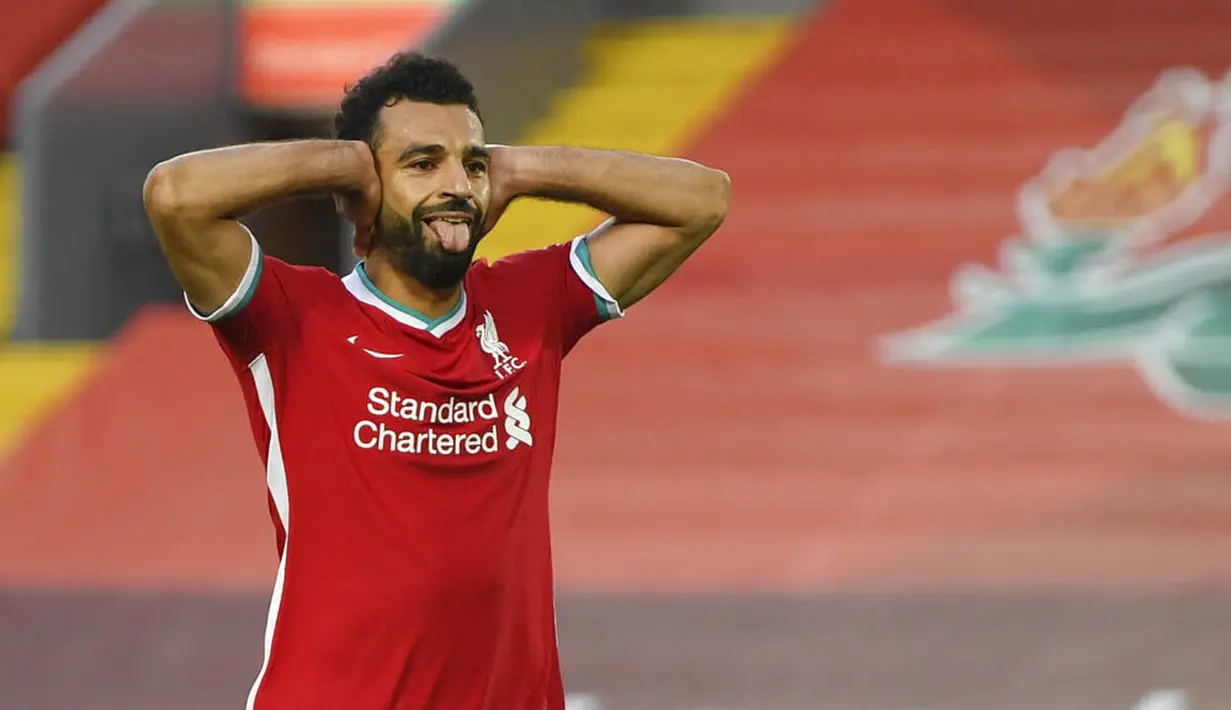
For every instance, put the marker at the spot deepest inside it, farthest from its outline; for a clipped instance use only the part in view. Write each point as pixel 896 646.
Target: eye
pixel 423 165
pixel 478 167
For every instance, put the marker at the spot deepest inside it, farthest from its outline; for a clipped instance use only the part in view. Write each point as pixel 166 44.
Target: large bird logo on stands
pixel 1089 279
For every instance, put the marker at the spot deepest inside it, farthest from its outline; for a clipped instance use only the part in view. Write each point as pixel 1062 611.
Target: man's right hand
pixel 194 202
pixel 362 206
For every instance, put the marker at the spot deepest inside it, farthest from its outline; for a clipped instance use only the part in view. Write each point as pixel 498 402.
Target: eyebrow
pixel 436 150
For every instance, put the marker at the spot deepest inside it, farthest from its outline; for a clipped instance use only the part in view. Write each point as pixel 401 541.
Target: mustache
pixel 458 205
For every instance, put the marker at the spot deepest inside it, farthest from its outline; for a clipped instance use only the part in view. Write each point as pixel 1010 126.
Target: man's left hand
pixel 503 176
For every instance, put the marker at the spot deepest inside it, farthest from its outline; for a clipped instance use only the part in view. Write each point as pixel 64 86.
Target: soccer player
pixel 406 413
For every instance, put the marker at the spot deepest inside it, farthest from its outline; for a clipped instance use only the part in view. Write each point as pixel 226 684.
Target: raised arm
pixel 662 209
pixel 194 202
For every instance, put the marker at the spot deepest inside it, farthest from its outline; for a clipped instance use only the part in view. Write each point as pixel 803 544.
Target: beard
pixel 416 250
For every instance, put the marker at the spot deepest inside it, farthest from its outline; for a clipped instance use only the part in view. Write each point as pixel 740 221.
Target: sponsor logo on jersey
pixel 1092 278
pixel 378 355
pixel 505 363
pixel 398 423
pixel 516 420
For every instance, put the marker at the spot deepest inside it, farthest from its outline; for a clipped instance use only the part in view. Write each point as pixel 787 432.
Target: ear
pixel 362 244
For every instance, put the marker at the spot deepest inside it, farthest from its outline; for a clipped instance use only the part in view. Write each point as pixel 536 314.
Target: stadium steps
pixel 757 443
pixel 632 66
pixel 885 149
pixel 8 243
pixel 121 457
pixel 648 87
pixel 32 376
pixel 29 33
pixel 32 379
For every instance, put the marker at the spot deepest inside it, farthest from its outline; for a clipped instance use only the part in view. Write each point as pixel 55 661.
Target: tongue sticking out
pixel 454 237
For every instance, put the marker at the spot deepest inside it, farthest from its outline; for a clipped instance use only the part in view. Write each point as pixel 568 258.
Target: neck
pixel 408 291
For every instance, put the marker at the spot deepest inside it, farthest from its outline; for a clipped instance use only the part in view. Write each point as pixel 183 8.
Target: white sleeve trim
pixel 579 258
pixel 243 292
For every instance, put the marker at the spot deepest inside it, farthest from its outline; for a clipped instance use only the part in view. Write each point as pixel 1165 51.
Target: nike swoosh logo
pixel 373 353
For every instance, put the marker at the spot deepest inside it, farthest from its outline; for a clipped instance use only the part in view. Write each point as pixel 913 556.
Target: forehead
pixel 453 126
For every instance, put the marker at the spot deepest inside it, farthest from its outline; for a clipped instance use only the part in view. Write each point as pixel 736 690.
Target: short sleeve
pixel 558 286
pixel 585 302
pixel 258 316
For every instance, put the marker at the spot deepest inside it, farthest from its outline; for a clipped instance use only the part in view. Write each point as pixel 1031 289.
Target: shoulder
pixel 298 272
pixel 562 270
pixel 542 258
pixel 303 281
pixel 543 266
pixel 268 284
pixel 531 278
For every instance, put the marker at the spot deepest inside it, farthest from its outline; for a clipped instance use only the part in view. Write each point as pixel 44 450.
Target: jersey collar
pixel 362 288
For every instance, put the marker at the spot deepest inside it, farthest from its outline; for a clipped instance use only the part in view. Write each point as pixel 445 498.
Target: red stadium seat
pixel 30 32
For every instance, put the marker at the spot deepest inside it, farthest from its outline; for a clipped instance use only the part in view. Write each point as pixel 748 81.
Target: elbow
pixel 161 193
pixel 164 193
pixel 718 202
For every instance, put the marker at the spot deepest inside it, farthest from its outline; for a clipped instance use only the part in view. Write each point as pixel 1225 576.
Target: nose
pixel 456 183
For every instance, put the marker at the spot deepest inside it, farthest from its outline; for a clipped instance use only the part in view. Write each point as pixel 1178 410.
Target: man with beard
pixel 406 412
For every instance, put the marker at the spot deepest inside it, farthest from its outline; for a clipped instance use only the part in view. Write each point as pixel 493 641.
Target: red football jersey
pixel 407 461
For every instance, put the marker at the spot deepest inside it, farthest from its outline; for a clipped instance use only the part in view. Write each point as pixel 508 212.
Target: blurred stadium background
pixel 940 419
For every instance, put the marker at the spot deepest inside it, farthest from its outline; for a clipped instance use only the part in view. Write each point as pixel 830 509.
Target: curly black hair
pixel 406 76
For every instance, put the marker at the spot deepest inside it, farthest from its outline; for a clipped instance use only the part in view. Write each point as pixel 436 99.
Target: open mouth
pixel 452 230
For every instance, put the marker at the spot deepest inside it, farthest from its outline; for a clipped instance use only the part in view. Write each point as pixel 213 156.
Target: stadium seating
pixel 800 522
pixel 867 166
pixel 31 31
pixel 8 242
pixel 127 494
pixel 632 66
pixel 30 377
pixel 884 149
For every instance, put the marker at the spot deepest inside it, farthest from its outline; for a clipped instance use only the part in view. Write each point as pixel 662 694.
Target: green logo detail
pixel 1075 285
